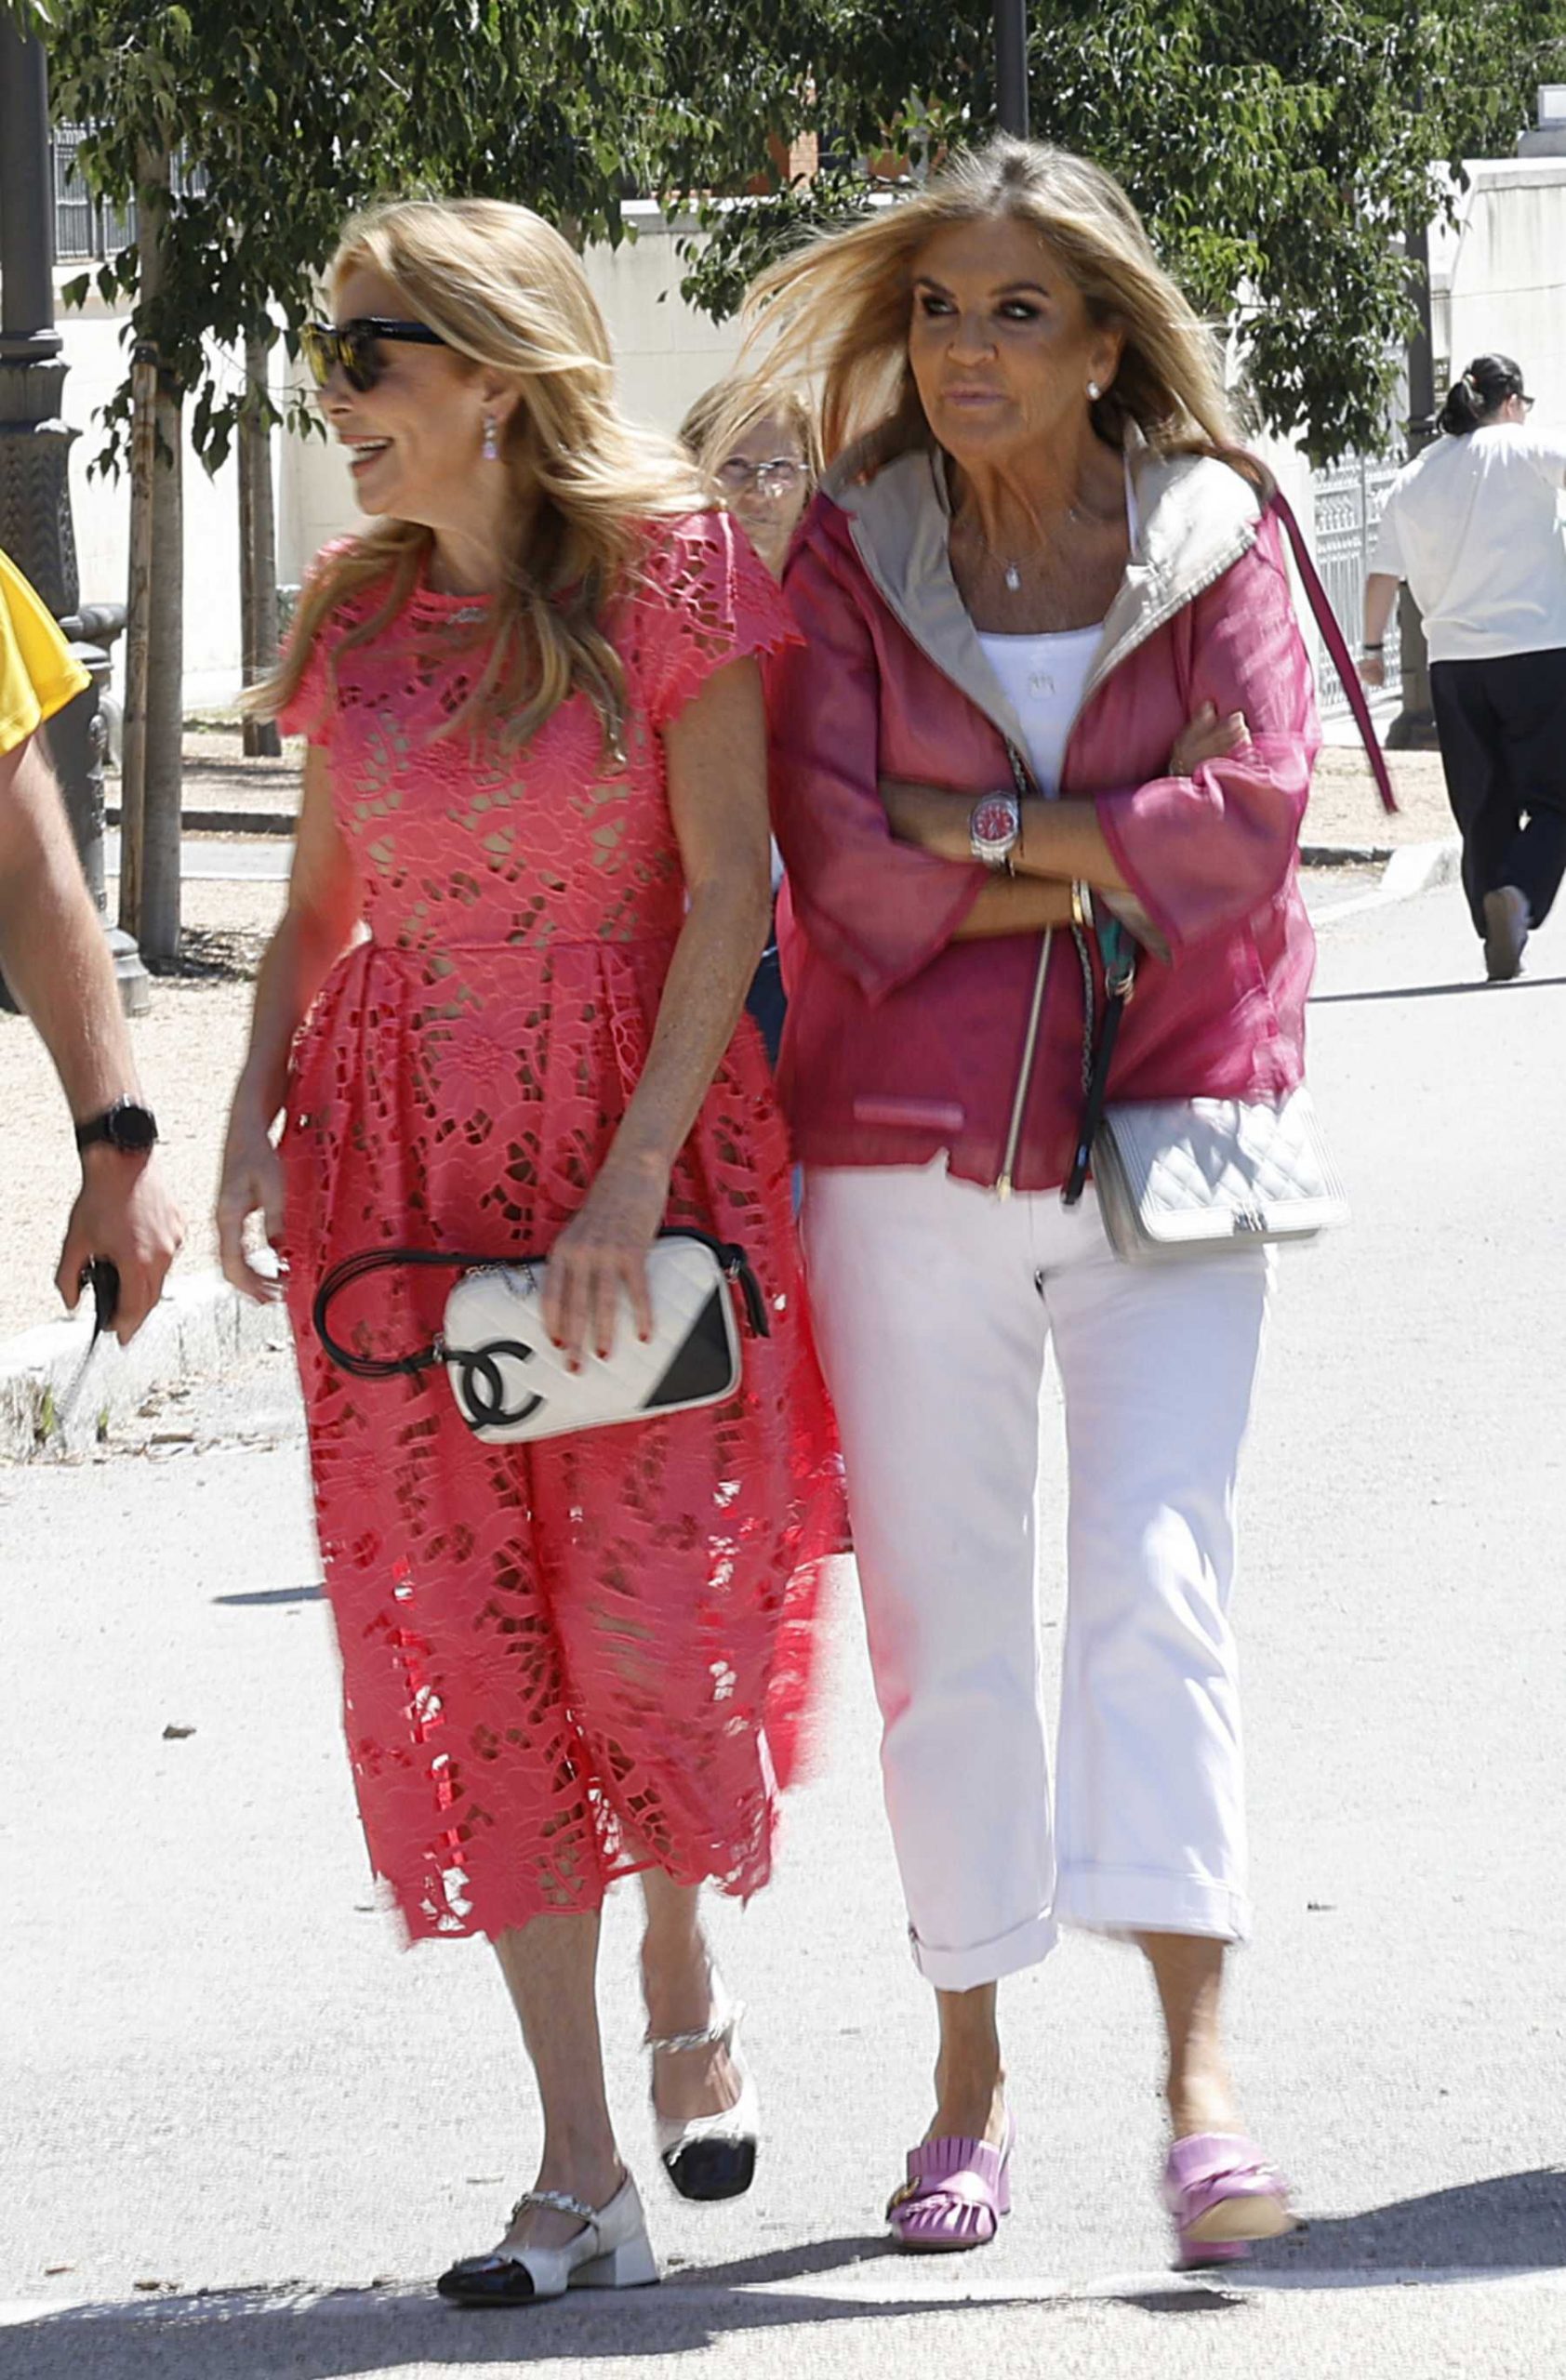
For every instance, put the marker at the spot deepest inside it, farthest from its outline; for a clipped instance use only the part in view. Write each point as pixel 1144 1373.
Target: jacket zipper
pixel 1025 1071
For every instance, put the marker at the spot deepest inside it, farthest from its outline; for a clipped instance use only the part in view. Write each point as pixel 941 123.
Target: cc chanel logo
pixel 482 1388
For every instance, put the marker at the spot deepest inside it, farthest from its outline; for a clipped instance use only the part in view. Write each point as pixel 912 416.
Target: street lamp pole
pixel 1011 66
pixel 36 527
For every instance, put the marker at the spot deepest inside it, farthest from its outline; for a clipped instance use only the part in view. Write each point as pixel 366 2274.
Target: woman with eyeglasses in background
pixel 1473 524
pixel 765 465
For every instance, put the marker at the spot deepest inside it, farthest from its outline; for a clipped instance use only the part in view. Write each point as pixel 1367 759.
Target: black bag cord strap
pixel 730 1256
pixel 359 1268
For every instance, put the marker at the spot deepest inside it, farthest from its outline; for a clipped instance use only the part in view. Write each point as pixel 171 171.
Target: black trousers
pixel 1502 736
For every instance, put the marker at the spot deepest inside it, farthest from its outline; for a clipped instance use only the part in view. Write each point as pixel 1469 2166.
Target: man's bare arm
pixel 56 962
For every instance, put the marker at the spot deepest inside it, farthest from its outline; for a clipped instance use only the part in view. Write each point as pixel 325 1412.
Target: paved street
pixel 240 2129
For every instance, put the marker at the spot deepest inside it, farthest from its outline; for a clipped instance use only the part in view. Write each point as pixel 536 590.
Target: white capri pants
pixel 934 1301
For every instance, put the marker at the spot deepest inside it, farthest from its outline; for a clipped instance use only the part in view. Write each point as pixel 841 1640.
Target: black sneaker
pixel 1506 921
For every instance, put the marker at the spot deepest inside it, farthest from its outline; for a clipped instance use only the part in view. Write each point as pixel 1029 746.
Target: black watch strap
pixel 127 1126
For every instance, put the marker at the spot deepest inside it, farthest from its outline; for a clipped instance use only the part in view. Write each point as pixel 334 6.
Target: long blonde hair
pixel 505 290
pixel 838 311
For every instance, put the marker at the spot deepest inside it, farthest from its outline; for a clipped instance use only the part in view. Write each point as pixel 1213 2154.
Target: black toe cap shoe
pixel 486 2280
pixel 709 2169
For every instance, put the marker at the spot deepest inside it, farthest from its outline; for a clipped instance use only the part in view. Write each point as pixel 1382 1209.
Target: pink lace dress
pixel 569 1660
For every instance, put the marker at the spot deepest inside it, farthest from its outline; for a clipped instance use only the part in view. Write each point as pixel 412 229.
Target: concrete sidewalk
pixel 220 2078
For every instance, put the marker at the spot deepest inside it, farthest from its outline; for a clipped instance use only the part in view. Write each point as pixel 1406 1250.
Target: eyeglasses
pixel 356 346
pixel 780 477
pixel 1525 402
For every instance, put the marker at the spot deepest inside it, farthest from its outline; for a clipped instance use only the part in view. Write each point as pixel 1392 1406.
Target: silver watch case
pixel 995 829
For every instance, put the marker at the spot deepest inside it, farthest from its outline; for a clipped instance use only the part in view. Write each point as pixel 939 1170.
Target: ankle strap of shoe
pixel 719 2035
pixel 562 2203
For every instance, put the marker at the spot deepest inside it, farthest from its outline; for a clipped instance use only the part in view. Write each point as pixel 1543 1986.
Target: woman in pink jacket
pixel 1035 532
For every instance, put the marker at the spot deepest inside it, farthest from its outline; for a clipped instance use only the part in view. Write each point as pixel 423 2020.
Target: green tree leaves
pixel 1278 147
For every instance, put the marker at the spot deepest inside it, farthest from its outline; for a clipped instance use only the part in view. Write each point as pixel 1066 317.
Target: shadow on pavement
pixel 308 2334
pixel 1511 2223
pixel 798 2262
pixel 1198 2299
pixel 1436 991
pixel 316 1594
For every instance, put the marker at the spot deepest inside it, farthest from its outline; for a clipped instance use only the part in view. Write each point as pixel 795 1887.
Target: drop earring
pixel 491 445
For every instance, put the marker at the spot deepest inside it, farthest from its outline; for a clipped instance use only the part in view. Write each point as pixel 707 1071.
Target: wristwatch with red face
pixel 995 829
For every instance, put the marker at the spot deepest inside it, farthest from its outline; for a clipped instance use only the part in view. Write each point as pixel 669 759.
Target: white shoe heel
pixel 633 2265
pixel 611 2250
pixel 711 2156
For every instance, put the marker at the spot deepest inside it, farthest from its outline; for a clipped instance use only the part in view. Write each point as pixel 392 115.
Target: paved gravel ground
pixel 1346 808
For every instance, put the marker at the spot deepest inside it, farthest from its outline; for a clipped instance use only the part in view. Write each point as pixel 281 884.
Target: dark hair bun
pixel 1479 394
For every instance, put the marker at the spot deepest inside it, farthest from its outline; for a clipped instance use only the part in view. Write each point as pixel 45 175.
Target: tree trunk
pixel 257 546
pixel 154 662
pixel 133 762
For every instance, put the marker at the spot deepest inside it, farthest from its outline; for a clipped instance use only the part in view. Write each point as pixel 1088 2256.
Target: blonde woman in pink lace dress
pixel 503 1014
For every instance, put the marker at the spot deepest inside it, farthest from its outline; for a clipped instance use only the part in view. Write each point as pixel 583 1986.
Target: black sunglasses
pixel 356 346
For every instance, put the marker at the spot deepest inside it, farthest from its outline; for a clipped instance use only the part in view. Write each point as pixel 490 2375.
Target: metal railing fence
pixel 1348 501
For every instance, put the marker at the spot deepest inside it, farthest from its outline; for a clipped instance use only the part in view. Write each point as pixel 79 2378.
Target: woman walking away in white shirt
pixel 1474 526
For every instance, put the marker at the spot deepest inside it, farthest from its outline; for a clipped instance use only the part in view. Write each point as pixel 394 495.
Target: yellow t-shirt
pixel 37 674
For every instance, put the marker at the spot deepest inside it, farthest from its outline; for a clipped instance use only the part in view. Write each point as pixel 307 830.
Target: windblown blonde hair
pixel 504 289
pixel 838 311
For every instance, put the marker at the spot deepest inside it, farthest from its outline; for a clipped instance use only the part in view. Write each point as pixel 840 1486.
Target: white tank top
pixel 1042 677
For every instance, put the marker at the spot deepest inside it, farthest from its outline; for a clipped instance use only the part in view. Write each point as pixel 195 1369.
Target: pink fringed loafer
pixel 954 2197
pixel 1223 2195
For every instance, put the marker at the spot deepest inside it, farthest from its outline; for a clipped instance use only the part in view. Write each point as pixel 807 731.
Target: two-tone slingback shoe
pixel 611 2250
pixel 714 2156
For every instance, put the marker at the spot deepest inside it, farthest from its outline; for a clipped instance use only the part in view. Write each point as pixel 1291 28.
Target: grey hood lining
pixel 1197 518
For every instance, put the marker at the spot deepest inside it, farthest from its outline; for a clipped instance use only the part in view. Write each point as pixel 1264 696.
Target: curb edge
pixel 1414 868
pixel 201 1328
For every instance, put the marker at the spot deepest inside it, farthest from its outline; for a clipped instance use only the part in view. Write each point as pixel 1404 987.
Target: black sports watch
pixel 127 1126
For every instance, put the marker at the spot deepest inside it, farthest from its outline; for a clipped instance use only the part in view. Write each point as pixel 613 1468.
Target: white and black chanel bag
pixel 512 1383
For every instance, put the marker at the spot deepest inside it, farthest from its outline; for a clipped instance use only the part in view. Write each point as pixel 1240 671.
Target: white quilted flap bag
pixel 512 1384
pixel 1185 1177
